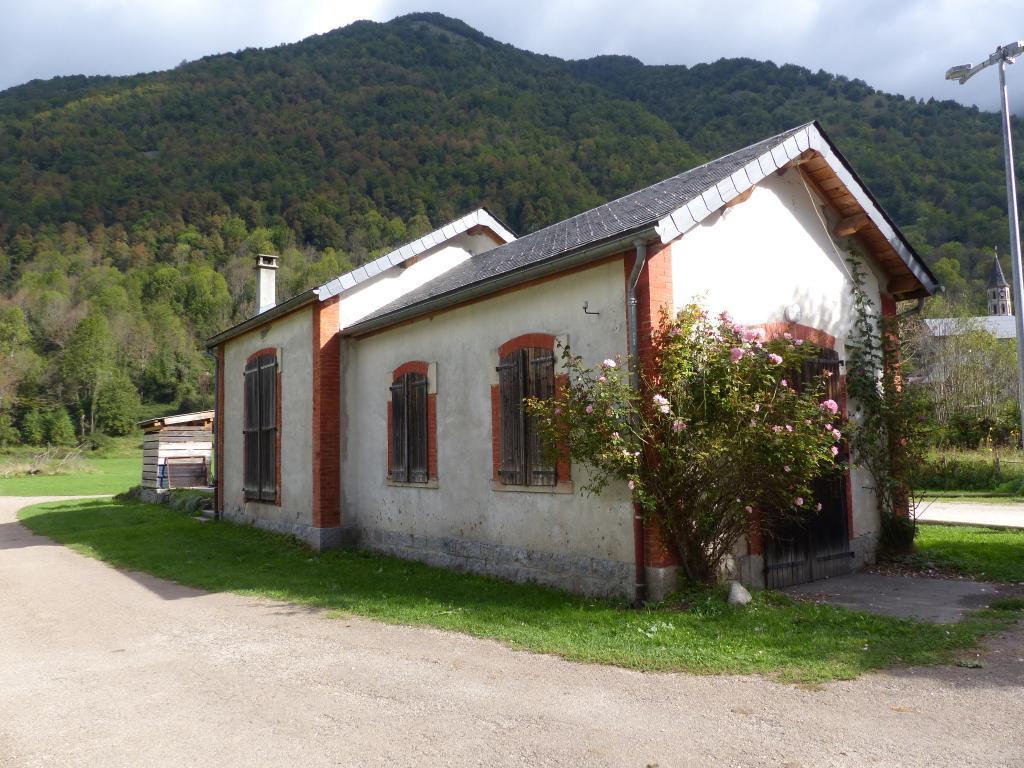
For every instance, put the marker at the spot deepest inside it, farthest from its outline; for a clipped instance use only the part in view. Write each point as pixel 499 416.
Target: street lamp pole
pixel 1004 55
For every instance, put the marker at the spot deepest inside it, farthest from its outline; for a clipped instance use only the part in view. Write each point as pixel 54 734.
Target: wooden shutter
pixel 416 426
pixel 399 441
pixel 268 427
pixel 511 470
pixel 251 431
pixel 541 385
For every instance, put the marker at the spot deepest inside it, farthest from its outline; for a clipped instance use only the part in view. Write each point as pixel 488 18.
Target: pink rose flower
pixel 787 336
pixel 589 409
pixel 799 342
pixel 608 363
pixel 828 427
pixel 785 467
pixel 829 405
pixel 757 407
pixel 836 434
pixel 789 427
pixel 678 425
pixel 748 509
pixel 631 485
pixel 783 383
pixel 602 379
pixel 736 354
pixel 835 451
pixel 776 429
pixel 775 359
pixel 799 501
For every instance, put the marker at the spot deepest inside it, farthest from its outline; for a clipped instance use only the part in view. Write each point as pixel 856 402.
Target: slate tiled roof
pixel 997 279
pixel 634 212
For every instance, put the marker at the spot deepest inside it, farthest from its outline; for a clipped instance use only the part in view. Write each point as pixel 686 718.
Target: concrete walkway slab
pixel 941 601
pixel 997 515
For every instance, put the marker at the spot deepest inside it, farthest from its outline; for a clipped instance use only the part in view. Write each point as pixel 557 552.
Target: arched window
pixel 524 371
pixel 260 428
pixel 411 425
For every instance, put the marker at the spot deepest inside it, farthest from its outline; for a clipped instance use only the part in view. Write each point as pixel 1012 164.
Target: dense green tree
pixel 86 365
pixel 118 404
pixel 33 427
pixel 59 428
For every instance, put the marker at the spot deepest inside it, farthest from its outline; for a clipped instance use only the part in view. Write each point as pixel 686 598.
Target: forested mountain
pixel 130 207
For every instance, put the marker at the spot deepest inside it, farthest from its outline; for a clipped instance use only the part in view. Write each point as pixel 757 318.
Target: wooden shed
pixel 176 450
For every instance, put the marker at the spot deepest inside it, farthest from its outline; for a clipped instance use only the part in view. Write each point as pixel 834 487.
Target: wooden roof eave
pixel 852 220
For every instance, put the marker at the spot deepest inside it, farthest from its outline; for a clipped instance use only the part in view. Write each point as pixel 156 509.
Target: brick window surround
pixel 249 495
pixel 562 477
pixel 423 369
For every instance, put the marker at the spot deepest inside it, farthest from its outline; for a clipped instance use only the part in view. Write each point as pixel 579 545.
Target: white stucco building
pixel 382 409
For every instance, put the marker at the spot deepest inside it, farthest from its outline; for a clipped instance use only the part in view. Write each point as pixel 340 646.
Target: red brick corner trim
pixel 326 438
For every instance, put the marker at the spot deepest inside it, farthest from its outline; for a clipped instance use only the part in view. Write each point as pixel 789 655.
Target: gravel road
pixel 100 667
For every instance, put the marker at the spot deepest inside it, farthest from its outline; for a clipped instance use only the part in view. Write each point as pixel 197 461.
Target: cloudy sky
pixel 901 46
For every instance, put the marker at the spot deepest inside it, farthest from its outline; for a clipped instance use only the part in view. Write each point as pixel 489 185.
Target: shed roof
pixel 668 209
pixel 196 417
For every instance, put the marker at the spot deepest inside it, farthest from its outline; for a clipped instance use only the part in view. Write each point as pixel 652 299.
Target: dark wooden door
pixel 796 552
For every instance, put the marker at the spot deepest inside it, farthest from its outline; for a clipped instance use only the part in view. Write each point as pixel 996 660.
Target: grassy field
pixel 992 472
pixel 698 633
pixel 113 466
pixel 981 553
pixel 99 475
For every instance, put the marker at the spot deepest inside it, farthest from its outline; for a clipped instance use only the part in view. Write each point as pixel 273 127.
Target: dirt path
pixel 1006 515
pixel 104 668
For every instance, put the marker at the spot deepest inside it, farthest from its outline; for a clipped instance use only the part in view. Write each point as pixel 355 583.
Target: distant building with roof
pixel 1000 319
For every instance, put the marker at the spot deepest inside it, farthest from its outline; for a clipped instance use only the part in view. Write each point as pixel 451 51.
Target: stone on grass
pixel 738 594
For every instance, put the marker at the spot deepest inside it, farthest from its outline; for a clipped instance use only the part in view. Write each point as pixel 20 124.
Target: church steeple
pixel 999 302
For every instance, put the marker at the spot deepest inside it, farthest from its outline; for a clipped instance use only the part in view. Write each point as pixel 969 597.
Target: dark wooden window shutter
pixel 409 429
pixel 260 429
pixel 524 373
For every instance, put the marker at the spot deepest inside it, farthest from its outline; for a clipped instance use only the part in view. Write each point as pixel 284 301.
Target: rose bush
pixel 714 435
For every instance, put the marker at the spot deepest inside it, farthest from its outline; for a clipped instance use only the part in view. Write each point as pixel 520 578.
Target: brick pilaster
pixel 326 438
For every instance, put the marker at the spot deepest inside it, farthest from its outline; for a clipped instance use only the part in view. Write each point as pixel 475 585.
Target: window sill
pixel 264 502
pixel 563 487
pixel 431 484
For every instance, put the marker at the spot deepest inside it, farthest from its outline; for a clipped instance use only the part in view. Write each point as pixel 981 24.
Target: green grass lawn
pixel 982 553
pixel 773 636
pixel 102 475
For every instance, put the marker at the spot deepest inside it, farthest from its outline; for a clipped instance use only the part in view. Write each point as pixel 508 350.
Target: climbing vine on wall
pixel 888 430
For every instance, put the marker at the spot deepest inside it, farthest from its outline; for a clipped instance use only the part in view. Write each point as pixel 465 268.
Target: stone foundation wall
pixel 582 575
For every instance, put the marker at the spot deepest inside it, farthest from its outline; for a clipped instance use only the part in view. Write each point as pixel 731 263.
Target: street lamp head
pixel 960 72
pixel 1005 53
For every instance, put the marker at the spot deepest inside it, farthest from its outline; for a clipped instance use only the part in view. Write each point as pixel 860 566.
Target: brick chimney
pixel 266 281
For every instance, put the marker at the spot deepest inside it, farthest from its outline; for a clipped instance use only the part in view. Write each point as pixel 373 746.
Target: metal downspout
pixel 639 551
